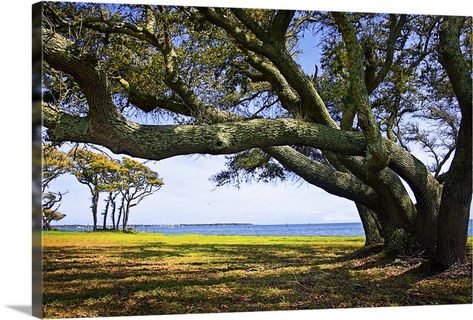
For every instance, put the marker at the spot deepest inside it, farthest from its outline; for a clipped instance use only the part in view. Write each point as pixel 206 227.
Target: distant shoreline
pixel 215 224
pixel 242 229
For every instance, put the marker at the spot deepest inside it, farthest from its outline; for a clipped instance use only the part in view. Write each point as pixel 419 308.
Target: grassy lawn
pixel 112 274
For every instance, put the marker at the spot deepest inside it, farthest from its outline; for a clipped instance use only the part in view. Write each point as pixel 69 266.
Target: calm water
pixel 328 229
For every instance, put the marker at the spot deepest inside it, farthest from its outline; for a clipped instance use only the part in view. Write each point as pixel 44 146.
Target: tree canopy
pixel 229 81
pixel 126 180
pixel 54 164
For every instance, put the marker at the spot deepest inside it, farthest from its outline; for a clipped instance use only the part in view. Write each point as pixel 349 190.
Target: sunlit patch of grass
pixel 111 274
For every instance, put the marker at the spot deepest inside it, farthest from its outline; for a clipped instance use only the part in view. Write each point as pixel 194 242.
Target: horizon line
pixel 210 223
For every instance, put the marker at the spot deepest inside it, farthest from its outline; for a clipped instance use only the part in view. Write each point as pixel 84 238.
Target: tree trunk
pixel 125 215
pixel 95 202
pixel 426 222
pixel 120 212
pixel 456 194
pixel 456 201
pixel 112 214
pixel 46 225
pixel 371 225
pixel 105 213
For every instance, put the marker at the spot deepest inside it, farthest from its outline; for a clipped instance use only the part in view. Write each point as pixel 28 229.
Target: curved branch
pixel 454 63
pixel 335 182
pixel 61 54
pixel 378 157
pixel 148 102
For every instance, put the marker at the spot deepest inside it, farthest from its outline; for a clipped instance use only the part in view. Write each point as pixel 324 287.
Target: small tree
pixel 110 203
pixel 50 215
pixel 112 186
pixel 92 170
pixel 51 204
pixel 137 182
pixel 54 164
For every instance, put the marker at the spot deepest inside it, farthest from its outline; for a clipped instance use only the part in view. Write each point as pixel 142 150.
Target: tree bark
pixel 95 202
pixel 125 215
pixel 371 225
pixel 457 190
pixel 120 212
pixel 123 136
pixel 456 201
pixel 112 214
pixel 105 213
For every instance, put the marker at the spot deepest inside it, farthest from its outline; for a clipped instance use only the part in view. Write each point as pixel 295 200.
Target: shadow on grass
pixel 163 278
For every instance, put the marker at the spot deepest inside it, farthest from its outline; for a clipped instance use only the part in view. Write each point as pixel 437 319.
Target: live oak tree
pixel 228 81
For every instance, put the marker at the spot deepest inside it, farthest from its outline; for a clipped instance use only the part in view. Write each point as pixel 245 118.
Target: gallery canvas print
pixel 213 160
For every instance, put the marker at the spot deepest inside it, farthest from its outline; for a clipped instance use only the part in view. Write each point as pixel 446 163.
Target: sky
pixel 189 197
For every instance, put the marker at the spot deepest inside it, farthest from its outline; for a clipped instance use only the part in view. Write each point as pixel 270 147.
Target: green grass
pixel 112 274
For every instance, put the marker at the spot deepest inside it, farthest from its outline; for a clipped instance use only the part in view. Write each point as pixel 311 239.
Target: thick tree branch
pixel 61 54
pixel 280 24
pixel 216 17
pixel 163 141
pixel 454 63
pixel 377 157
pixel 335 182
pixel 250 23
pixel 457 190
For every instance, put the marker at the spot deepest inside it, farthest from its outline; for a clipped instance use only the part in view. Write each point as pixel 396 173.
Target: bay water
pixel 319 229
